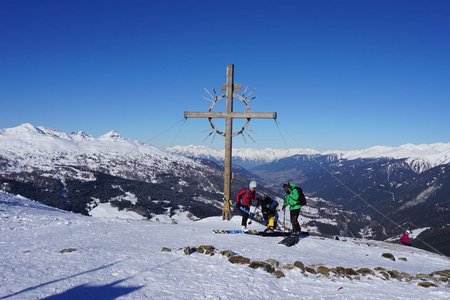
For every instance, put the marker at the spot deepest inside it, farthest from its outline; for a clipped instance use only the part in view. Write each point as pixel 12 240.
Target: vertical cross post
pixel 228 144
pixel 229 115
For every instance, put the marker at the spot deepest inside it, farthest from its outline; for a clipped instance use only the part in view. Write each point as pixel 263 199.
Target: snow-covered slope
pixel 52 254
pixel 262 155
pixel 30 148
pixel 419 157
pixel 80 173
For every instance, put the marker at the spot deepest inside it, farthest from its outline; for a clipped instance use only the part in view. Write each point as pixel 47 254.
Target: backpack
pixel 301 196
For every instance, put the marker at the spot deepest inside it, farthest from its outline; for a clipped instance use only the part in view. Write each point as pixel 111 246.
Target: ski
pixel 253 216
pixel 293 239
pixel 275 233
pixel 236 231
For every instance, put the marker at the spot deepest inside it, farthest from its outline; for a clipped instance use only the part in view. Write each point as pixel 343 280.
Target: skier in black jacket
pixel 269 208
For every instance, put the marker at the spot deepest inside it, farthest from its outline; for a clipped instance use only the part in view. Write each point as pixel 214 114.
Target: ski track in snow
pixel 122 259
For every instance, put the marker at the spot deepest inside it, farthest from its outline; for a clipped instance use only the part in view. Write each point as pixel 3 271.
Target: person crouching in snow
pixel 405 239
pixel 244 199
pixel 269 210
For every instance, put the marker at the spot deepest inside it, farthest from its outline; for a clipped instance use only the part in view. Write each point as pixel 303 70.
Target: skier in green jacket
pixel 291 198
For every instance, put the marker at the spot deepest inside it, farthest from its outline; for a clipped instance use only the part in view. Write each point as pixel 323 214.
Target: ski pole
pixel 284 220
pixel 254 211
pixel 254 214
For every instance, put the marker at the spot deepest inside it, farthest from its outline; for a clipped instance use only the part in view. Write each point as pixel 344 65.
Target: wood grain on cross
pixel 229 115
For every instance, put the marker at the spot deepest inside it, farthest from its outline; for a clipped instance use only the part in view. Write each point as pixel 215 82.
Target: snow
pixel 266 155
pixel 162 218
pixel 416 232
pixel 367 232
pixel 422 197
pixel 111 136
pixel 108 258
pixel 420 157
pixel 106 210
pixel 32 146
pixel 326 221
pixel 126 197
pixel 38 148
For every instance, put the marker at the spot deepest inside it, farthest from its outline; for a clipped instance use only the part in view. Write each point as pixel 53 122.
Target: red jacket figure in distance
pixel 405 239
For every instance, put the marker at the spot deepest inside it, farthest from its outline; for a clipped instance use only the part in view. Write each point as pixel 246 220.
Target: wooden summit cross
pixel 229 115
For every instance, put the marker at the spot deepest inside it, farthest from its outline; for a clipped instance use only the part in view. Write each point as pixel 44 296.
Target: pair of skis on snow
pixel 289 240
pixel 236 231
pixel 251 232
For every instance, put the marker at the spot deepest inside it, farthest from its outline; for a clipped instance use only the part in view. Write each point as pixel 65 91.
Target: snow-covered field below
pixel 51 254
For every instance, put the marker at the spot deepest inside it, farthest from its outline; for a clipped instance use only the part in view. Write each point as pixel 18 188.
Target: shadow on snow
pixel 61 279
pixel 102 292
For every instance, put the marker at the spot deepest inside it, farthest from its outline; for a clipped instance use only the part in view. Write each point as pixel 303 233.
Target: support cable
pixel 161 133
pixel 178 132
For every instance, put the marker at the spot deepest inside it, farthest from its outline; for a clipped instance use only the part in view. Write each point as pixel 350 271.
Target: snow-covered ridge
pixel 266 155
pixel 29 147
pixel 27 130
pixel 419 157
pixel 20 138
pixel 27 140
pixel 434 154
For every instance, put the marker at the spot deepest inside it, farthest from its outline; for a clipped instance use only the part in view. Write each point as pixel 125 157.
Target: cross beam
pixel 229 115
pixel 234 115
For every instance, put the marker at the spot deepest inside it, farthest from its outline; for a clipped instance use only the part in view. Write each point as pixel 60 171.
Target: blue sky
pixel 340 74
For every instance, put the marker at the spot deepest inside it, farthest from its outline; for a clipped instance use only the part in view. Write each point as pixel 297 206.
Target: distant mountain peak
pixel 112 136
pixel 24 128
pixel 81 135
pixel 31 130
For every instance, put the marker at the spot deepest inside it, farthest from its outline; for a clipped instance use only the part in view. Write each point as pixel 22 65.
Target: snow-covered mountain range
pixel 419 157
pixel 78 172
pixel 81 148
pixel 98 176
pixel 258 155
pixel 112 174
pixel 29 147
